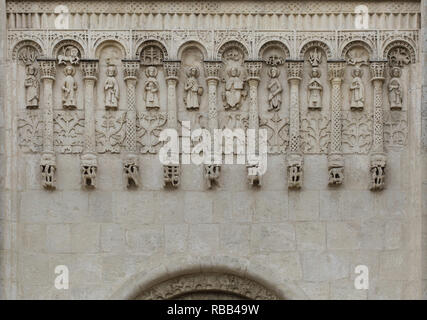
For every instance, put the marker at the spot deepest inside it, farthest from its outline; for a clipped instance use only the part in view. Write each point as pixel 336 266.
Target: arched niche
pixel 63 47
pixel 191 54
pixel 233 55
pixel 25 53
pixel 110 54
pixel 348 46
pixel 357 55
pixel 151 52
pixel 315 71
pixel 315 44
pixel 274 54
pixel 406 48
pixel 207 286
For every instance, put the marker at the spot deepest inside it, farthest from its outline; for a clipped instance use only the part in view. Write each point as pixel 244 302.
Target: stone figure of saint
pixel 32 87
pixel 69 88
pixel 395 94
pixel 357 90
pixel 234 89
pixel 151 88
pixel 192 89
pixel 315 90
pixel 111 89
pixel 274 90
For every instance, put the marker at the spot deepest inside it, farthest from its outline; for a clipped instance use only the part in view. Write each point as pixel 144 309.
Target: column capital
pixel 336 69
pixel 171 68
pixel 294 69
pixel 377 68
pixel 47 68
pixel 130 69
pixel 212 68
pixel 253 68
pixel 89 68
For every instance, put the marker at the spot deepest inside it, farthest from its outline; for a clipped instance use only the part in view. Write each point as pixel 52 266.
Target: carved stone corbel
pixel 295 158
pixel 88 162
pixel 48 161
pixel 130 163
pixel 171 173
pixel 211 174
pixel 335 158
pixel 378 157
pixel 254 175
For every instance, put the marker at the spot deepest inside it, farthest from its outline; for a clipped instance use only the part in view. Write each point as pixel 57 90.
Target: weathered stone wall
pixel 424 151
pixel 302 243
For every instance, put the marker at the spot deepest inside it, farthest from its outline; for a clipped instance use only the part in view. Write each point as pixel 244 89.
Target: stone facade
pixel 85 93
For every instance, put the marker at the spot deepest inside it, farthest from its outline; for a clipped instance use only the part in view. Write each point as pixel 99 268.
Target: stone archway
pixel 207 286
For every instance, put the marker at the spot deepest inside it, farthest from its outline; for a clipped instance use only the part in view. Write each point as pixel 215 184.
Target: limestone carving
pixel 234 89
pixel 69 88
pixel 211 174
pixel 151 89
pixel 315 90
pixel 254 175
pixel 110 131
pixel 295 170
pixel 193 89
pixel 131 171
pixel 111 89
pixel 357 132
pixel 179 287
pixel 395 89
pixel 315 58
pixel 357 90
pixel 89 167
pixel 48 169
pixel 30 131
pixel 32 86
pixel 149 127
pixel 395 129
pixel 378 166
pixel 315 133
pixel 69 54
pixel 68 129
pixel 398 57
pixel 274 90
pixel 171 175
pixel 277 132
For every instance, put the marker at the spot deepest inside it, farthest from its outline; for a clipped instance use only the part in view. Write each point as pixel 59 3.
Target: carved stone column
pixel 172 173
pixel 295 158
pixel 212 171
pixel 212 78
pixel 89 163
pixel 253 68
pixel 378 157
pixel 130 163
pixel 48 159
pixel 335 157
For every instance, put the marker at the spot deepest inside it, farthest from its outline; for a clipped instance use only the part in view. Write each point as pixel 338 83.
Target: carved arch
pixel 268 278
pixel 347 46
pixel 147 43
pixel 274 43
pixel 25 43
pixel 192 44
pixel 67 42
pixel 388 47
pixel 315 43
pixel 232 44
pixel 109 42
